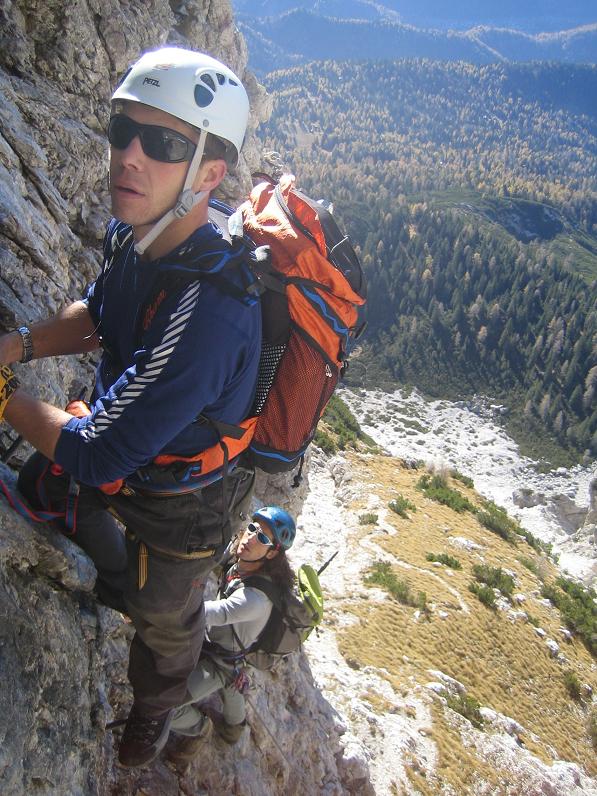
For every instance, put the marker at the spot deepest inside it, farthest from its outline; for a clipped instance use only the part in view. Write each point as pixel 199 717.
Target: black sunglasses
pixel 158 143
pixel 261 537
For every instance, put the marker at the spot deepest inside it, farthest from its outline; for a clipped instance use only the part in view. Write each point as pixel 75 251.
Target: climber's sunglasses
pixel 158 143
pixel 261 537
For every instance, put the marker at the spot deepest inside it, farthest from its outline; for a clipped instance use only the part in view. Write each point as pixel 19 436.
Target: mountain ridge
pixel 301 35
pixel 532 16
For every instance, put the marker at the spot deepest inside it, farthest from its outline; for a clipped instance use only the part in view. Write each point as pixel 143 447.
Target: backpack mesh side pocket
pixel 268 365
pixel 303 385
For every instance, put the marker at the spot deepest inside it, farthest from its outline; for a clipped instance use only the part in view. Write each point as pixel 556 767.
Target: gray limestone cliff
pixel 62 656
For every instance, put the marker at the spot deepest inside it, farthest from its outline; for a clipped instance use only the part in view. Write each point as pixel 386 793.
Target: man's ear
pixel 271 554
pixel 210 175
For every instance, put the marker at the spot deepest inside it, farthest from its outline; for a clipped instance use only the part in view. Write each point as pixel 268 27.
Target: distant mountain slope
pixel 530 16
pixel 302 35
pixel 423 578
pixel 472 194
pixel 341 9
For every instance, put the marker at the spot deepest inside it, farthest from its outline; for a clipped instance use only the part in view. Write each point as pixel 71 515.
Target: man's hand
pixel 11 348
pixel 80 408
pixel 8 384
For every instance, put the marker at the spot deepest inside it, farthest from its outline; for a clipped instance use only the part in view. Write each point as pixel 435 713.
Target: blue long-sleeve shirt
pixel 195 351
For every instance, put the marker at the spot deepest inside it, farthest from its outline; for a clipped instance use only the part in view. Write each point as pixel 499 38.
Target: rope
pixel 266 728
pixel 18 506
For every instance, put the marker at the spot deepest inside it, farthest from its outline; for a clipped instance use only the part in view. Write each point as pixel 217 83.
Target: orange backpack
pixel 310 332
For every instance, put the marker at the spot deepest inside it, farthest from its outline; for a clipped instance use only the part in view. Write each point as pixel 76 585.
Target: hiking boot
pixel 144 738
pixel 230 733
pixel 188 747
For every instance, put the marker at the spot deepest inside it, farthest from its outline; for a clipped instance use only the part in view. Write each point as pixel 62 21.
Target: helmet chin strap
pixel 256 560
pixel 185 202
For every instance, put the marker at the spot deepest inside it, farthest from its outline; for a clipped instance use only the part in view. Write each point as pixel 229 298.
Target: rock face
pixel 525 498
pixel 63 661
pixel 63 669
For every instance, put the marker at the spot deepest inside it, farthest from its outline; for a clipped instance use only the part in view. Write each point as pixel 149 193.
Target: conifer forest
pixel 471 194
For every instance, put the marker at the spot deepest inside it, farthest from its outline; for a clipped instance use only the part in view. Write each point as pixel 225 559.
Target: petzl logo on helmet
pixel 152 81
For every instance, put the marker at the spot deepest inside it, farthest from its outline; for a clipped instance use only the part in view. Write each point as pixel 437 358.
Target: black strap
pixel 177 280
pixel 260 261
pixel 277 598
pixel 267 587
pixel 227 505
pixel 242 650
pixel 272 281
pixel 293 219
pixel 296 481
pixel 256 581
pixel 223 429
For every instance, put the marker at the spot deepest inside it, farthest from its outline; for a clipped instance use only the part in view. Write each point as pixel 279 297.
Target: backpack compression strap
pixel 276 597
pixel 258 582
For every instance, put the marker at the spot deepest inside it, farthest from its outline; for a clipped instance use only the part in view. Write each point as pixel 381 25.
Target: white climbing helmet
pixel 199 90
pixel 193 87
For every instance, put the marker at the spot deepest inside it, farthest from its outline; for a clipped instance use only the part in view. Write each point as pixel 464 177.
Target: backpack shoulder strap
pixel 280 602
pixel 211 270
pixel 267 587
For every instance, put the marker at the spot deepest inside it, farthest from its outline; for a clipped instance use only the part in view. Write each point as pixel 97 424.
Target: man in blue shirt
pixel 178 347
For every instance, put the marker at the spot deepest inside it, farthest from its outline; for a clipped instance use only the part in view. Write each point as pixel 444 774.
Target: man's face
pixel 143 189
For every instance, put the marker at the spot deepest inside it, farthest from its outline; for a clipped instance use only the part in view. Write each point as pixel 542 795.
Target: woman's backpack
pixel 294 615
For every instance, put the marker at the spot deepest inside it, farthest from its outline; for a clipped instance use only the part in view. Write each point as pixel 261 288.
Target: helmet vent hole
pixel 221 78
pixel 203 96
pixel 209 81
pixel 232 82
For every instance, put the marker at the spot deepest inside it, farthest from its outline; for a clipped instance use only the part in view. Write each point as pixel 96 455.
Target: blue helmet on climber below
pixel 279 522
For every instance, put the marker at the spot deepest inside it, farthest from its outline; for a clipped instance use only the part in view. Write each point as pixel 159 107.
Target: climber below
pixel 234 622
